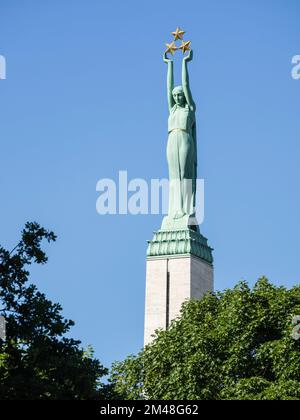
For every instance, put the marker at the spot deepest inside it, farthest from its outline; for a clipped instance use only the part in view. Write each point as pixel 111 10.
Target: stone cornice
pixel 179 242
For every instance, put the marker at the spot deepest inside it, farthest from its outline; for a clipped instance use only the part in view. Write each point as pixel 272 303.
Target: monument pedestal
pixel 179 268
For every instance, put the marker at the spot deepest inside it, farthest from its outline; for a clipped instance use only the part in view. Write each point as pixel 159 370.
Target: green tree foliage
pixel 234 345
pixel 37 361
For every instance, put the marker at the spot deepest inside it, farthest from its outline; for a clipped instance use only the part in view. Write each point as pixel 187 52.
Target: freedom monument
pixel 179 260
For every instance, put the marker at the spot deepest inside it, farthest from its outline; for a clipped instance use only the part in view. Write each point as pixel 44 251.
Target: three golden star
pixel 178 35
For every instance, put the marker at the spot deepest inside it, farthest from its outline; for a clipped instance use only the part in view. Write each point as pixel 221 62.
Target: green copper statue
pixel 181 150
pixel 179 234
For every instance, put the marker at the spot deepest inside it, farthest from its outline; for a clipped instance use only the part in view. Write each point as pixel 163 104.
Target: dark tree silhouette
pixel 37 361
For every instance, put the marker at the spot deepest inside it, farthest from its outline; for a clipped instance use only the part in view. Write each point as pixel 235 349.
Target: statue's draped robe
pixel 182 161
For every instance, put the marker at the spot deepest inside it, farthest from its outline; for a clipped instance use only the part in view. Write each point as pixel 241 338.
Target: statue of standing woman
pixel 181 150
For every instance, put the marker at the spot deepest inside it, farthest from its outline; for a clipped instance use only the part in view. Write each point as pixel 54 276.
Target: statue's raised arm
pixel 186 81
pixel 170 81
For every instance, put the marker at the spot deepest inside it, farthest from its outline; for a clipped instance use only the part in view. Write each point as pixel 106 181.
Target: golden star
pixel 171 48
pixel 178 34
pixel 185 46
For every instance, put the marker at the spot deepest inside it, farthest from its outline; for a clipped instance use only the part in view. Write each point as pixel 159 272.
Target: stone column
pixel 179 267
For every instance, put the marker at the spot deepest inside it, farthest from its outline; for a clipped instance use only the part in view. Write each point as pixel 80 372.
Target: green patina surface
pixel 179 242
pixel 179 234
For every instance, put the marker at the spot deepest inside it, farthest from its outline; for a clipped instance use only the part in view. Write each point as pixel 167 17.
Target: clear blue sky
pixel 85 97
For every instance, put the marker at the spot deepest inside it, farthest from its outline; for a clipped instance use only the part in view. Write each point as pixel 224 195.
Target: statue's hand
pixel 189 57
pixel 166 58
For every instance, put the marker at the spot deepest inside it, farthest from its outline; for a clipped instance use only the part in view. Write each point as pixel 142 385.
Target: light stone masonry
pixel 189 277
